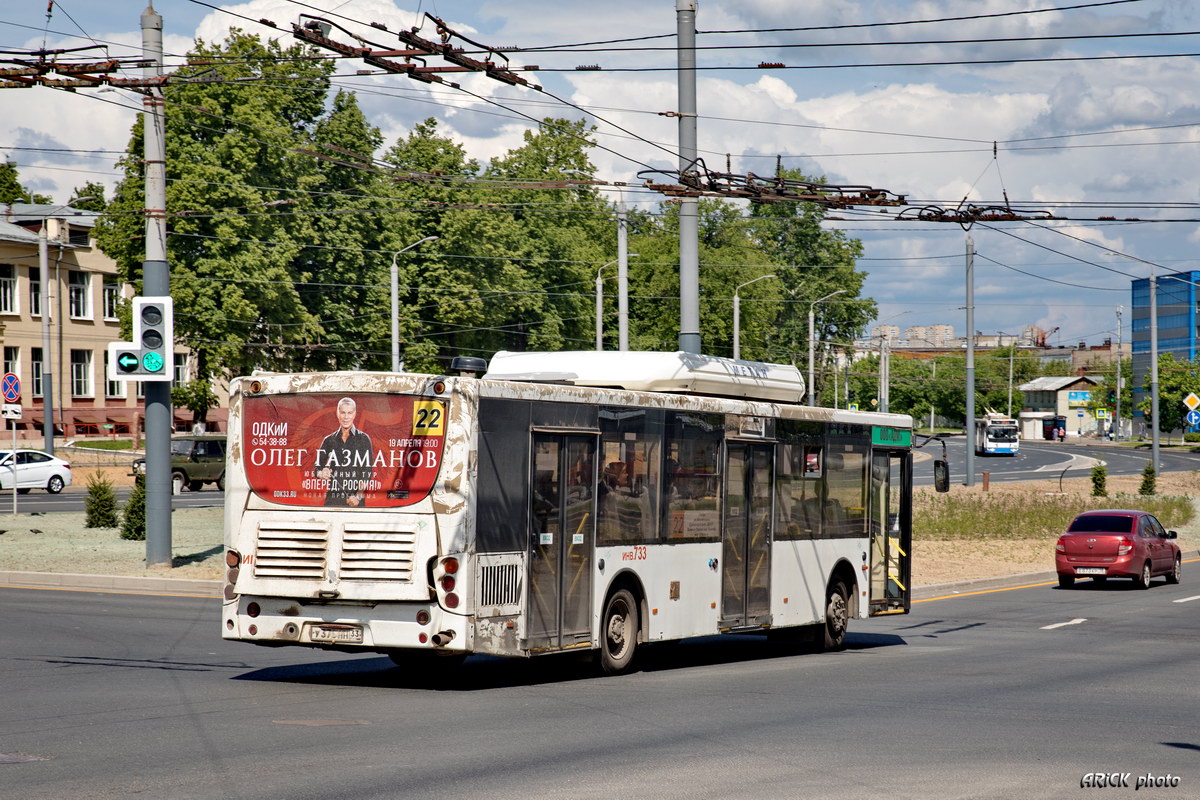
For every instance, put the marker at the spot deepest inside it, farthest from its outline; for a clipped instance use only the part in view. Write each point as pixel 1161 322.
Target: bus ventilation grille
pixel 373 554
pixel 499 590
pixel 291 550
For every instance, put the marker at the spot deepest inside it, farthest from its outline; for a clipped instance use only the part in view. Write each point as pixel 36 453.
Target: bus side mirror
pixel 941 476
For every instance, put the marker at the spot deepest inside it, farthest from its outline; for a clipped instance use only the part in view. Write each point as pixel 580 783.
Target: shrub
pixel 1191 437
pixel 133 524
pixel 100 506
pixel 997 517
pixel 1099 476
pixel 1148 480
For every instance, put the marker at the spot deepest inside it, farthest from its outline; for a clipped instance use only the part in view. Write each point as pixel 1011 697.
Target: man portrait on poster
pixel 344 459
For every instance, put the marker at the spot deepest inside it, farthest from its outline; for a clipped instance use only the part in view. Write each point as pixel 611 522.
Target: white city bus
pixel 996 436
pixel 563 501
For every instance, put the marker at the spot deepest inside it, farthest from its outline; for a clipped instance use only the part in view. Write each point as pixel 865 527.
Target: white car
pixel 34 470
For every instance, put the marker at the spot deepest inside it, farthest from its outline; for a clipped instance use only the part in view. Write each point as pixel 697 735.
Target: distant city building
pixel 930 336
pixel 1178 314
pixel 888 332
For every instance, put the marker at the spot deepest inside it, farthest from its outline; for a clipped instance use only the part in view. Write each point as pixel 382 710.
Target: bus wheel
pixel 837 616
pixel 618 633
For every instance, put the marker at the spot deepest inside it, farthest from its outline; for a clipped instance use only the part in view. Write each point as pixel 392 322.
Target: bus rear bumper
pixel 346 627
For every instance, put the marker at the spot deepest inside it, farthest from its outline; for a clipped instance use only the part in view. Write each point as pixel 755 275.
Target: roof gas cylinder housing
pixel 686 373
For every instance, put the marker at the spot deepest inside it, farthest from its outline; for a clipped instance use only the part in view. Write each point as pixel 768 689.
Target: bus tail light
pixel 232 558
pixel 422 617
pixel 252 610
pixel 444 575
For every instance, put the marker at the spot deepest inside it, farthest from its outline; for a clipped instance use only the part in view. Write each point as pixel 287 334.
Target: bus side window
pixel 631 450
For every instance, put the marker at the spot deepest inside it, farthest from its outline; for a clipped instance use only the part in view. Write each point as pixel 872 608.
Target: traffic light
pixel 151 354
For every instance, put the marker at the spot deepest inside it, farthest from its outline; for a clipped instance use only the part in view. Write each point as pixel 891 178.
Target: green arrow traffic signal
pixel 127 362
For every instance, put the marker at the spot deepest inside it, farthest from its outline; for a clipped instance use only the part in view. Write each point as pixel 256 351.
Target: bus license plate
pixel 350 634
pixel 1090 570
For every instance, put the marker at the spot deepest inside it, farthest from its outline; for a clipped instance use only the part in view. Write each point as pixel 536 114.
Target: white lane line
pixel 1061 624
pixel 1186 599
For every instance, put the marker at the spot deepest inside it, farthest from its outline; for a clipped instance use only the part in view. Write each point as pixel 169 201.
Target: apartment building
pixel 79 297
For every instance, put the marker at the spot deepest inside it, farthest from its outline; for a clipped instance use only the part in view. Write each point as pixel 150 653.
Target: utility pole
pixel 1153 370
pixel 622 280
pixel 970 460
pixel 689 223
pixel 47 362
pixel 156 282
pixel 1117 416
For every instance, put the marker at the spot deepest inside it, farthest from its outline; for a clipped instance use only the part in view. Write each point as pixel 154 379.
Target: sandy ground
pixel 60 543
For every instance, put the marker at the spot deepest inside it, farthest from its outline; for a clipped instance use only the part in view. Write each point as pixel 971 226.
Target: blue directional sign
pixel 11 387
pixel 1193 418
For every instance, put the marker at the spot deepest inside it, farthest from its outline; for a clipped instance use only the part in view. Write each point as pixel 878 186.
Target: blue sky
pixel 1084 139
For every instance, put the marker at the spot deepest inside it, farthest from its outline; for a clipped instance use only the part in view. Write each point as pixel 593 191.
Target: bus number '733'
pixel 636 554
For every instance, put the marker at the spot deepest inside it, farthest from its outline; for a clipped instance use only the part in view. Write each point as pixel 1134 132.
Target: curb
pixel 125 584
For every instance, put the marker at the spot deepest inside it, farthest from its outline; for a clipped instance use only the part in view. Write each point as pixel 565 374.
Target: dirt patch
pixel 936 562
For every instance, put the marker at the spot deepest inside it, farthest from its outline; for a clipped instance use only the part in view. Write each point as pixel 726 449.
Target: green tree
pixel 1176 379
pixel 240 155
pixel 89 197
pixel 196 396
pixel 133 518
pixel 13 191
pixel 100 505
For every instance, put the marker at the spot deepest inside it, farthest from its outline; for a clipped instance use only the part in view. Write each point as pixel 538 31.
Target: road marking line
pixel 1061 624
pixel 1186 599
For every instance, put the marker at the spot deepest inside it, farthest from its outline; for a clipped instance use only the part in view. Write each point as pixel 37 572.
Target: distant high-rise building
pixel 1178 320
pixel 889 332
pixel 930 336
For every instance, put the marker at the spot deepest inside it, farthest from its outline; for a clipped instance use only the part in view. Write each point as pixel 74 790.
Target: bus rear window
pixel 353 451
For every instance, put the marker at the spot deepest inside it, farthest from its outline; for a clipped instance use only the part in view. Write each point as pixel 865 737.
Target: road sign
pixel 10 386
pixel 1191 401
pixel 1193 418
pixel 10 411
pixel 1101 413
pixel 852 407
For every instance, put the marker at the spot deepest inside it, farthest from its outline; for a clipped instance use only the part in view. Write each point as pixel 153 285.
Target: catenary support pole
pixel 156 282
pixel 970 459
pixel 1116 423
pixel 689 227
pixel 1154 370
pixel 47 363
pixel 622 279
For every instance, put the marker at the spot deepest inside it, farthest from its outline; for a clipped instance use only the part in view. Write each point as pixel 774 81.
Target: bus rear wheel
pixel 618 633
pixel 837 616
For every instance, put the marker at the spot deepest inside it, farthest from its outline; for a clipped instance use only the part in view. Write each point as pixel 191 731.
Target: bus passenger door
pixel 562 523
pixel 891 530
pixel 746 538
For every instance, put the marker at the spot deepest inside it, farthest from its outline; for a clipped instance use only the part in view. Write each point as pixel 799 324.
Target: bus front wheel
pixel 618 632
pixel 837 616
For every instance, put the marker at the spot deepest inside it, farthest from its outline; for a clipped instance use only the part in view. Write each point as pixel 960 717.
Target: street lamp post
pixel 622 310
pixel 737 313
pixel 812 340
pixel 47 362
pixel 396 301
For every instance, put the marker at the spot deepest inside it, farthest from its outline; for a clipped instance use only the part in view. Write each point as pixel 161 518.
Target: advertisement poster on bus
pixel 351 451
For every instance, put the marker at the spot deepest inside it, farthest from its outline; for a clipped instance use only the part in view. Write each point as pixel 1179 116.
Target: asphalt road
pixel 72 499
pixel 1006 694
pixel 1039 460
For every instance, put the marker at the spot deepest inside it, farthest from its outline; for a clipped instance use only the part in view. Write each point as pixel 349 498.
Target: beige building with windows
pixel 82 292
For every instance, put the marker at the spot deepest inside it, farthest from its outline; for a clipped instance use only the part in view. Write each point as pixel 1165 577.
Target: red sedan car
pixel 1117 543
